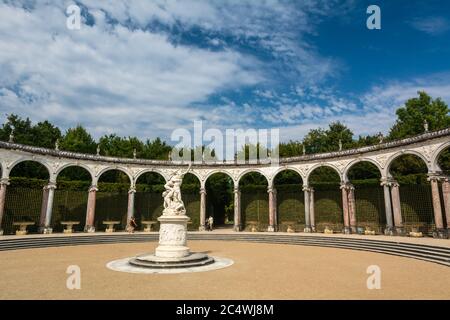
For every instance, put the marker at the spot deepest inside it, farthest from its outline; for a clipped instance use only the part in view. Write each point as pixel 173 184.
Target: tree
pixel 43 134
pixel 78 140
pixel 156 149
pixel 411 117
pixel 320 140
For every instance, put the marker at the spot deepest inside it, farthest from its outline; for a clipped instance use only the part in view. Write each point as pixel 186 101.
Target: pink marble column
pixel 271 227
pixel 351 207
pixel 438 219
pixel 398 220
pixel 202 209
pixel 275 209
pixel 130 207
pixel 446 198
pixel 3 184
pixel 237 209
pixel 312 217
pixel 90 211
pixel 345 208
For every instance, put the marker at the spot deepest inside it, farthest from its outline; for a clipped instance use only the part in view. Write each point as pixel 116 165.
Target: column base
pixel 89 229
pixel 271 229
pixel 201 228
pixel 440 234
pixel 1 232
pixel 400 231
pixel 307 230
pixel 347 230
pixel 45 230
pixel 389 231
pixel 354 229
pixel 237 228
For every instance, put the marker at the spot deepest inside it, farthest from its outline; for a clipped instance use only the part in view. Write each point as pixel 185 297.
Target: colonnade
pixel 391 190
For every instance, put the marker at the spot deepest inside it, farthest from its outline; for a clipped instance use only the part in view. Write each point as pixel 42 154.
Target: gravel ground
pixel 260 271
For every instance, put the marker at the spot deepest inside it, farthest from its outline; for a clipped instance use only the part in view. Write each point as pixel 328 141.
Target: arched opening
pixel 254 201
pixel 190 194
pixel 443 161
pixel 327 199
pixel 219 199
pixel 70 199
pixel 112 199
pixel 290 200
pixel 148 201
pixel 24 196
pixel 410 171
pixel 369 198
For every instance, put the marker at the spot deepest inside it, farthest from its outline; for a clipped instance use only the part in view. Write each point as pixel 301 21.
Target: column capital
pixel 93 188
pixel 346 185
pixel 306 188
pixel 434 177
pixel 387 182
pixel 236 189
pixel 50 185
pixel 131 190
pixel 202 190
pixel 4 182
pixel 270 189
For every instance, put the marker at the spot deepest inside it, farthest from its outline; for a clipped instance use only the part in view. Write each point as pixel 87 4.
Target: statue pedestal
pixel 172 237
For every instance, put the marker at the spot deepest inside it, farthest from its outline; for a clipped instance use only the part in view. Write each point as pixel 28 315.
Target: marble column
pixel 389 230
pixel 307 209
pixel 345 212
pixel 312 217
pixel 398 221
pixel 130 208
pixel 49 209
pixel 90 210
pixel 202 209
pixel 237 209
pixel 446 198
pixel 43 208
pixel 3 185
pixel 351 207
pixel 272 205
pixel 437 209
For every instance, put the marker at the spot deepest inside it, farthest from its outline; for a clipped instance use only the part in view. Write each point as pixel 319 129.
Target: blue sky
pixel 145 68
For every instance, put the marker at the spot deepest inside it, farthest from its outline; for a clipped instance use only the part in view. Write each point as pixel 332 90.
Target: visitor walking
pixel 132 225
pixel 210 223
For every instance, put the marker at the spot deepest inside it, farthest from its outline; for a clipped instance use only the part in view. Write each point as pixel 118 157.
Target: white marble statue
pixel 173 205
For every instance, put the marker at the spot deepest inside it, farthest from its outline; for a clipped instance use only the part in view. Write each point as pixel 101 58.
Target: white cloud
pixel 431 25
pixel 106 77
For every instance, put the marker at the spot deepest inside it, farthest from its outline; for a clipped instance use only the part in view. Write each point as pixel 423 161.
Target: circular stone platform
pixel 151 260
pixel 126 265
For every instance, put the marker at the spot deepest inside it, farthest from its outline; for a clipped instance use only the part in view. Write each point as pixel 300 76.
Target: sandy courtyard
pixel 260 271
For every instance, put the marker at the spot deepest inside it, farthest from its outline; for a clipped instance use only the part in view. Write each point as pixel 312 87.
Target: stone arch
pixel 81 165
pixel 249 170
pixel 318 165
pixel 356 161
pixel 289 200
pixel 122 169
pixel 435 157
pixel 224 171
pixel 286 168
pixel 217 207
pixel 398 154
pixel 154 170
pixel 24 159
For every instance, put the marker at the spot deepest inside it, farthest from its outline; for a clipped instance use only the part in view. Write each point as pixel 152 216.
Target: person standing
pixel 132 225
pixel 210 223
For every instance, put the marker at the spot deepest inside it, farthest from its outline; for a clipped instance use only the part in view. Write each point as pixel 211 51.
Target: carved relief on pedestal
pixel 172 234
